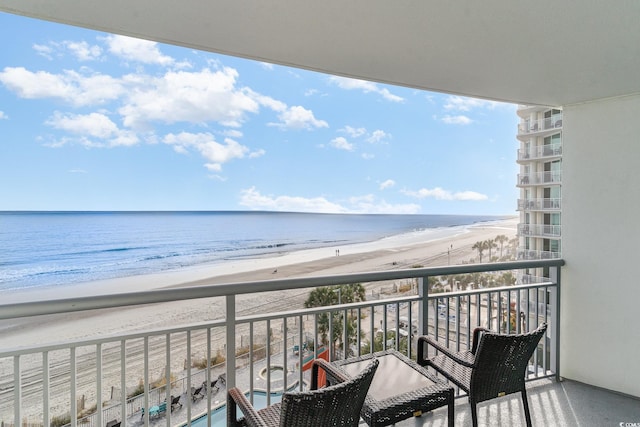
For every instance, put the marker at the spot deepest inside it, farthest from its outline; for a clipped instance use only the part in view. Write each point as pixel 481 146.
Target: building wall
pixel 600 331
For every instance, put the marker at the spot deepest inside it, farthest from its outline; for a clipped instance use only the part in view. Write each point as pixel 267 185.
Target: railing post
pixel 423 305
pixel 554 276
pixel 17 391
pixel 231 340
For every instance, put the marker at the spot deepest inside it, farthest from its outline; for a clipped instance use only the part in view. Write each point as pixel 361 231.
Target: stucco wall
pixel 600 325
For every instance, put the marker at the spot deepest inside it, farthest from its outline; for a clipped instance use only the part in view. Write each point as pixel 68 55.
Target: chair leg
pixel 474 414
pixel 451 417
pixel 525 403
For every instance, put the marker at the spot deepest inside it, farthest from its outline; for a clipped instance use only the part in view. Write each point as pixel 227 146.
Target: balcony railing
pixel 530 254
pixel 536 178
pixel 540 152
pixel 540 230
pixel 541 125
pixel 102 369
pixel 550 204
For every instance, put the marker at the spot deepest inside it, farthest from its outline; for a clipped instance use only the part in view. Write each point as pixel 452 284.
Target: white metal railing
pixel 530 254
pixel 540 152
pixel 259 343
pixel 549 204
pixel 542 230
pixel 544 124
pixel 546 177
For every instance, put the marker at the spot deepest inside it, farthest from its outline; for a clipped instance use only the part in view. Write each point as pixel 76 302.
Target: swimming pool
pixel 219 415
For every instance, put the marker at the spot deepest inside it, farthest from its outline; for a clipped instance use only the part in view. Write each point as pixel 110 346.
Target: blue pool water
pixel 219 416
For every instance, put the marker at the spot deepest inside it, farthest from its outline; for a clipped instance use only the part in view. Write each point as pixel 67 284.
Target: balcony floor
pixel 567 403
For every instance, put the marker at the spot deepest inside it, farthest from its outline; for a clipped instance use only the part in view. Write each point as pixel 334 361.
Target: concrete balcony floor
pixel 567 403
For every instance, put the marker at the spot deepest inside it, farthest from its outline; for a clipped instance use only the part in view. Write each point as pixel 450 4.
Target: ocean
pixel 45 249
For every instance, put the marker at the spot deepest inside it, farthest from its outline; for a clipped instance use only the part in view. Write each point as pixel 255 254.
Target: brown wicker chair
pixel 336 405
pixel 494 367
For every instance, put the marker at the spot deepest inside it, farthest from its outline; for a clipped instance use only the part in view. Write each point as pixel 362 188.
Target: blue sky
pixel 95 121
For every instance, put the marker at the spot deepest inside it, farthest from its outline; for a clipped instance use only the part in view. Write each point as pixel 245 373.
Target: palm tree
pixel 502 239
pixel 507 278
pixel 479 246
pixel 490 244
pixel 332 295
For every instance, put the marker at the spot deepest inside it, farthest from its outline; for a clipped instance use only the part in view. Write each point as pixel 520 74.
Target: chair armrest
pixel 422 341
pixel 251 417
pixel 334 375
pixel 477 333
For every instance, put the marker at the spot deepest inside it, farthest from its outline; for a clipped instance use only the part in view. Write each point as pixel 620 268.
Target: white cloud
pixel 233 133
pixel 138 50
pixel 457 120
pixel 267 66
pixel 365 86
pixel 387 184
pixel 3 115
pixel 91 130
pixel 265 101
pixel 440 194
pixel 342 144
pixel 368 156
pixel 205 144
pixel 389 96
pixel 43 50
pixel 353 132
pixel 71 86
pixel 298 117
pixel 195 97
pixel 460 103
pixel 378 136
pixel 257 153
pixel 83 51
pixel 368 204
pixel 252 199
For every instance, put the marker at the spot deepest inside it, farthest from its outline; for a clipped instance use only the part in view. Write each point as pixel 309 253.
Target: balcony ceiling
pixel 546 52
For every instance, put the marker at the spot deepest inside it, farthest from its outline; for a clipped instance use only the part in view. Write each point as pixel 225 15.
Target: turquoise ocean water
pixel 44 249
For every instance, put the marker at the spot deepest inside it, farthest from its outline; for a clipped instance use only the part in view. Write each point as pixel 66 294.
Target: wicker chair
pixel 335 405
pixel 495 366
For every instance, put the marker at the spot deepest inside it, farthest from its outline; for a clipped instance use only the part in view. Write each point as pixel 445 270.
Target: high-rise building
pixel 540 184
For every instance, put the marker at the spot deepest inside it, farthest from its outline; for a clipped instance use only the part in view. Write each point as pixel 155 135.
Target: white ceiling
pixel 549 52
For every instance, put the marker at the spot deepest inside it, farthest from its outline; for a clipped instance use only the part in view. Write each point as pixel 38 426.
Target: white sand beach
pixel 398 252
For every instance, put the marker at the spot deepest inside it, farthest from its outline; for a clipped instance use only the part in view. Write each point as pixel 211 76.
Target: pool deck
pixel 197 408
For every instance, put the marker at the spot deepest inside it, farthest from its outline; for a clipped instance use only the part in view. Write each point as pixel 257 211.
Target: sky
pixel 96 121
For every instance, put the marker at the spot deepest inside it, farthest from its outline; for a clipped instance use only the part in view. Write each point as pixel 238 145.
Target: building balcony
pixel 62 383
pixel 524 111
pixel 540 230
pixel 539 127
pixel 544 205
pixel 530 254
pixel 540 152
pixel 538 178
pixel 271 349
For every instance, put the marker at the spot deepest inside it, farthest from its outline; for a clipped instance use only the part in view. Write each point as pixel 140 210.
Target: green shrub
pixel 60 420
pixel 138 390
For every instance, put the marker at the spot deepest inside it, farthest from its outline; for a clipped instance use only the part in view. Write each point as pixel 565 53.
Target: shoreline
pixel 298 263
pixel 385 254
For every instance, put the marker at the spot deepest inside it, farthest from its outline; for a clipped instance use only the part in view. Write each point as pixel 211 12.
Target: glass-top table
pixel 400 389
